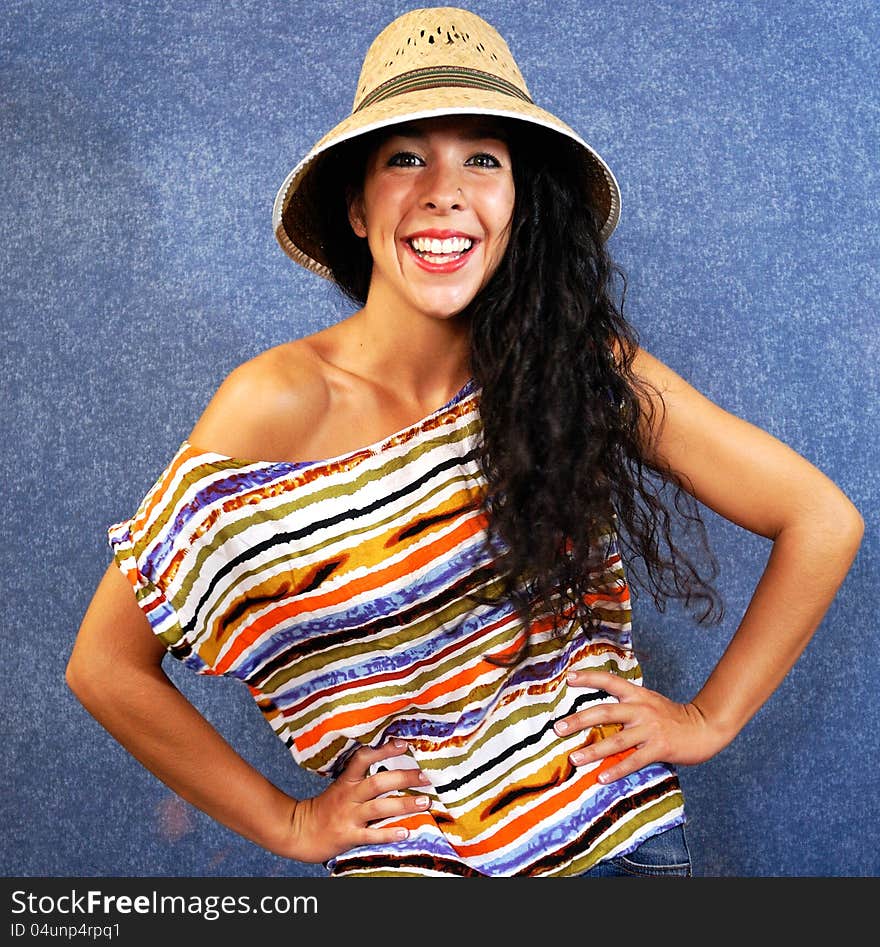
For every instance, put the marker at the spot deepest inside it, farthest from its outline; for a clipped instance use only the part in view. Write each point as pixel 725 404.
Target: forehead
pixel 470 127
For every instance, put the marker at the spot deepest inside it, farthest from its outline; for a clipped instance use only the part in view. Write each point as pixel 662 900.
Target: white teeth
pixel 450 245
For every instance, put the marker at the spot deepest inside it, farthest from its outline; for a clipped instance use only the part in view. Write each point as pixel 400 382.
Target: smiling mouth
pixel 432 250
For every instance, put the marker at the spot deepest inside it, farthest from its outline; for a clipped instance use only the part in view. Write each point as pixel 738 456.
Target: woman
pixel 404 533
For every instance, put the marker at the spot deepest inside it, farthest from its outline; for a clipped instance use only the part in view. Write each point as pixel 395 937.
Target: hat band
pixel 436 77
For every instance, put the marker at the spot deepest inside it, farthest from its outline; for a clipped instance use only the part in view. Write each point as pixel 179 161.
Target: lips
pixel 440 251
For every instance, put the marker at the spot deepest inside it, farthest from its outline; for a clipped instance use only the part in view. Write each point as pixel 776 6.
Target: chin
pixel 446 313
pixel 447 308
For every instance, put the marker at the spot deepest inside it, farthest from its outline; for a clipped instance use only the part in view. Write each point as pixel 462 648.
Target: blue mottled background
pixel 142 144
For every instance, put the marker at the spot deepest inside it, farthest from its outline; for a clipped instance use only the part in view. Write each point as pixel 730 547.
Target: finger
pixel 612 684
pixel 384 836
pixel 599 715
pixel 619 742
pixel 392 807
pixel 618 769
pixel 384 810
pixel 362 759
pixel 389 781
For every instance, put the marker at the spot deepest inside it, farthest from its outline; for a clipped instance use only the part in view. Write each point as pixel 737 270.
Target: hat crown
pixel 435 38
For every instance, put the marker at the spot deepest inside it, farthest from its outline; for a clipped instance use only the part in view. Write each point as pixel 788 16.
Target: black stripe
pixel 588 697
pixel 543 866
pixel 337 639
pixel 424 862
pixel 438 77
pixel 293 535
pixel 421 525
pixel 605 822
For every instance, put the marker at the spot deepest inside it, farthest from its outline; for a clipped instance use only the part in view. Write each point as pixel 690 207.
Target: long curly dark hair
pixel 565 417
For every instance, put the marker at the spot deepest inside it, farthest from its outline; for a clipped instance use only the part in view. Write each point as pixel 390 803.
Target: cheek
pixel 500 210
pixel 502 224
pixel 382 214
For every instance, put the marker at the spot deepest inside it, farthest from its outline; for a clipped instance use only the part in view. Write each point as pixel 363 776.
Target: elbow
pixel 96 691
pixel 844 524
pixel 79 678
pixel 87 677
pixel 827 517
pixel 855 527
pixel 103 678
pixel 847 518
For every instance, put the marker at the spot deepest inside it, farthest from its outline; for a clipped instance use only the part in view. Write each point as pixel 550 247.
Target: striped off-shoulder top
pixel 353 597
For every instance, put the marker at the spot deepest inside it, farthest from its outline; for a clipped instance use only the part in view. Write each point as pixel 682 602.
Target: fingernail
pixel 578 758
pixel 401 833
pixel 571 677
pixel 561 726
pixel 400 744
pixel 605 777
pixel 422 802
pixel 423 778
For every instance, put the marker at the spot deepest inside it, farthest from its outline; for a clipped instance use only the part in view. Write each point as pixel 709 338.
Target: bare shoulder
pixel 662 380
pixel 266 407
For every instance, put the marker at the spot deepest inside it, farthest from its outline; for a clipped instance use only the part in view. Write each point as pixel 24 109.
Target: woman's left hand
pixel 655 728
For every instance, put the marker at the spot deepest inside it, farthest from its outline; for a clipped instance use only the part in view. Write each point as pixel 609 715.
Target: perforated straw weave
pixel 426 63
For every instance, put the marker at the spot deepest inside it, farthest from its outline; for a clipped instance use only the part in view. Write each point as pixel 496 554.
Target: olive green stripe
pixel 404 635
pixel 298 504
pixel 421 630
pixel 350 652
pixel 298 478
pixel 523 713
pixel 168 509
pixel 457 661
pixel 454 706
pixel 651 813
pixel 537 759
pixel 521 716
pixel 341 542
pixel 173 632
pixel 407 634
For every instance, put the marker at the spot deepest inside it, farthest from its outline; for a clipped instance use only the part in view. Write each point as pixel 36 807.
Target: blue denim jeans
pixel 664 855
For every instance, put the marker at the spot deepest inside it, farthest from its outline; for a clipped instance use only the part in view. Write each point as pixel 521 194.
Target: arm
pixel 115 671
pixel 754 480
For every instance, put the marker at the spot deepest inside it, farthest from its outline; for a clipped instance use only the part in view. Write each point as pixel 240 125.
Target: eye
pixel 484 160
pixel 404 159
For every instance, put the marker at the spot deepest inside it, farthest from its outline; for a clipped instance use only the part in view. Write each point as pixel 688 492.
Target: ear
pixel 356 215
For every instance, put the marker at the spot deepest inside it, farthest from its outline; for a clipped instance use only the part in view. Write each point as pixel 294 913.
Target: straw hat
pixel 429 62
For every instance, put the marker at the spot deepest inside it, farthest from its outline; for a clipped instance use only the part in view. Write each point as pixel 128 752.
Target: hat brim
pixel 300 237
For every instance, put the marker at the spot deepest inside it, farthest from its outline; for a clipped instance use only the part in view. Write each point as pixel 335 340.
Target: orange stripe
pixel 369 713
pixel 366 715
pixel 550 807
pixel 373 580
pixel 412 821
pixel 167 478
pixel 378 679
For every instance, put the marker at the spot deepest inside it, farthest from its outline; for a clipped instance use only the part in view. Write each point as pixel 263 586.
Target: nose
pixel 442 188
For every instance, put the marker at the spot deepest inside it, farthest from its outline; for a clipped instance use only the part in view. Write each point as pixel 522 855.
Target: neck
pixel 423 358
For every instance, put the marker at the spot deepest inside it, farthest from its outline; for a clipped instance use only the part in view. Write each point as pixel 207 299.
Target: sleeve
pixel 153 550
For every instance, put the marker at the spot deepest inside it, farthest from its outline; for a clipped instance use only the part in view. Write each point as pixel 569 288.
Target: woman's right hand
pixel 342 816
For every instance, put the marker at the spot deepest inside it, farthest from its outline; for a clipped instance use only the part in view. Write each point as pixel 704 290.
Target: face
pixel 435 209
